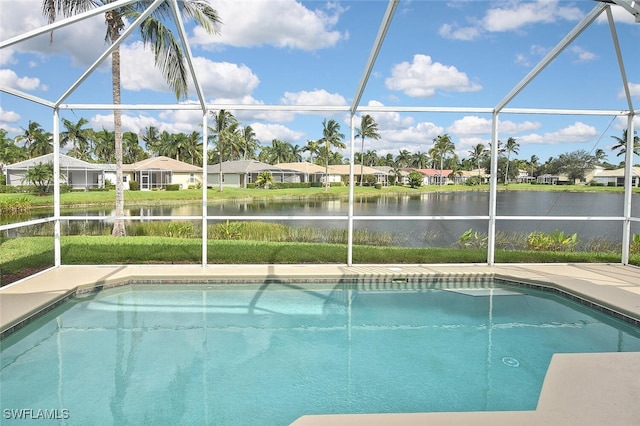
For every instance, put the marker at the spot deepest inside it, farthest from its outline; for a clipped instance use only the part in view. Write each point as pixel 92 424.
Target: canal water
pixel 425 231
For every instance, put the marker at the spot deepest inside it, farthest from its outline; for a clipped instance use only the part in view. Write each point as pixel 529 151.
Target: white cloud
pixel 634 90
pixel 279 23
pixel 314 97
pixel 422 133
pixel 423 77
pixel 512 16
pixel 576 133
pixel 454 32
pixel 265 133
pixel 10 79
pixel 515 15
pixel 582 54
pixel 471 125
pixel 9 116
pixel 217 79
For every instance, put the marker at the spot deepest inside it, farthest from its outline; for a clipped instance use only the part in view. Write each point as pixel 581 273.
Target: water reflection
pixel 416 232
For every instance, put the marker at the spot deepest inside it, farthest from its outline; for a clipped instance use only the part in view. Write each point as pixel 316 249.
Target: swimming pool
pixel 269 353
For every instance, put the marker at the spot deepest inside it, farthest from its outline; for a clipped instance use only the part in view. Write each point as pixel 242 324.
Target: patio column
pixel 57 258
pixel 205 128
pixel 493 191
pixel 628 187
pixel 351 194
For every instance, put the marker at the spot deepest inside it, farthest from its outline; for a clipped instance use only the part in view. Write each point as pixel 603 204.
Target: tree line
pixel 230 140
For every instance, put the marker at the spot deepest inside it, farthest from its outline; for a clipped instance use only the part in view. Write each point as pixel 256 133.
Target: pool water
pixel 268 354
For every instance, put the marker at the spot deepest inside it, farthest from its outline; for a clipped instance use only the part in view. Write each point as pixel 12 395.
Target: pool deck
pixel 579 389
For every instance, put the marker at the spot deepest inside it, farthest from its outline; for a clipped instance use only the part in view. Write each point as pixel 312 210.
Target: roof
pixel 434 172
pixel 242 166
pixel 161 163
pixel 343 169
pixel 389 170
pixel 635 171
pixel 65 162
pixel 304 167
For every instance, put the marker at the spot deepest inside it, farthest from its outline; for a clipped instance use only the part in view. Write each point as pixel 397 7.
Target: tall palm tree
pixel 151 137
pixel 280 151
pixel 621 145
pixel 104 146
pixel 368 129
pixel 9 152
pixel 420 160
pixel 331 136
pixel 36 141
pixel 131 149
pixel 78 137
pixel 168 52
pixel 442 146
pixel 403 159
pixel 250 143
pixel 313 147
pixel 478 153
pixel 510 147
pixel 222 120
pixel 193 149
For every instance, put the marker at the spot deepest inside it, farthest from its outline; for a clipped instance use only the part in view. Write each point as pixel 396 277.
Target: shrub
pixel 377 186
pixel 556 241
pixel 635 244
pixel 134 186
pixel 172 187
pixel 471 239
pixel 415 179
pixel 473 181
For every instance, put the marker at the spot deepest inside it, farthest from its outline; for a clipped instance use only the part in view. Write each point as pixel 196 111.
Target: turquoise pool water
pixel 267 354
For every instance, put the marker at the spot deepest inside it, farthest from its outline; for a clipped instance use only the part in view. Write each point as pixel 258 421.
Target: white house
pixel 239 173
pixel 616 177
pixel 76 173
pixel 157 172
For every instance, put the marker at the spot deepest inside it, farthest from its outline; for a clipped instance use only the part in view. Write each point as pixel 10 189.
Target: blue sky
pixel 286 52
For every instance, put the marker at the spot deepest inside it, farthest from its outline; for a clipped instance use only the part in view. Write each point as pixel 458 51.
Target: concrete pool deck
pixel 579 389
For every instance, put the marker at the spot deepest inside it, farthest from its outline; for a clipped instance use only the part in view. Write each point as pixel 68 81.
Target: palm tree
pixel 131 149
pixel 420 160
pixel 151 138
pixel 250 143
pixel 331 136
pixel 442 146
pixel 9 152
pixel 264 179
pixel 621 145
pixel 104 146
pixel 296 153
pixel 78 137
pixel 36 140
pixel 169 56
pixel 600 156
pixel 192 149
pixel 368 129
pixel 222 120
pixel 511 147
pixel 313 147
pixel 403 159
pixel 478 153
pixel 40 175
pixel 280 152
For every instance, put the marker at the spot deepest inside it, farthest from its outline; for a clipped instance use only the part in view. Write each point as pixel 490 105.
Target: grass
pixel 19 257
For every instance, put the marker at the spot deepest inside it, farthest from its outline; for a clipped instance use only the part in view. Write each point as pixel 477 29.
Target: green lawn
pixel 20 257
